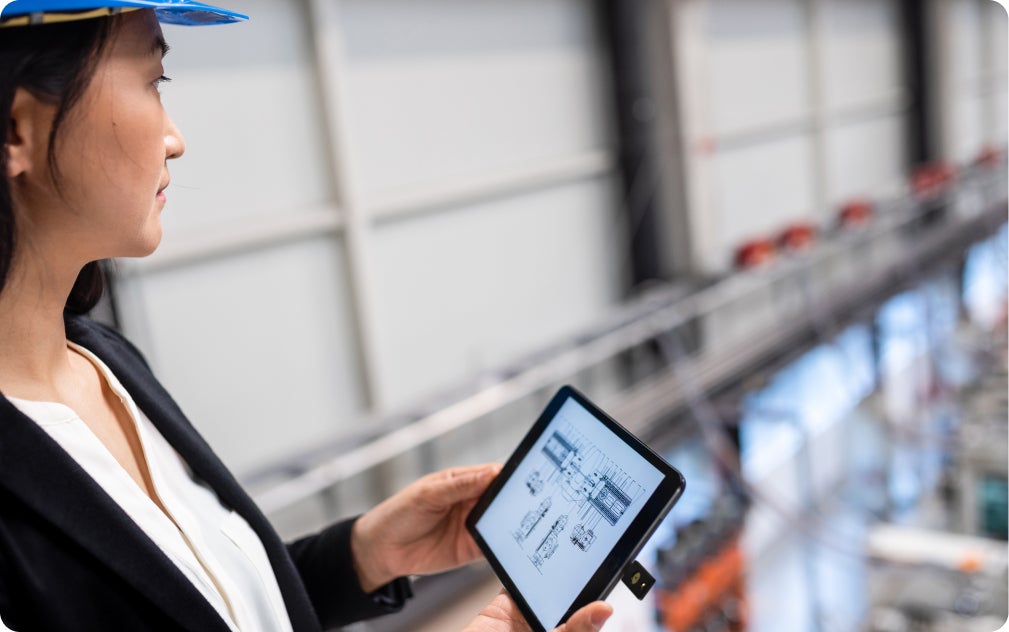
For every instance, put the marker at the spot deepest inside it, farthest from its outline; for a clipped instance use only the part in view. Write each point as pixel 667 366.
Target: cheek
pixel 115 150
pixel 138 148
pixel 136 144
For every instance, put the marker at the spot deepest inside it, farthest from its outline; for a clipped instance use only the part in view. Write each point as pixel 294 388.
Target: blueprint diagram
pixel 575 489
pixel 566 505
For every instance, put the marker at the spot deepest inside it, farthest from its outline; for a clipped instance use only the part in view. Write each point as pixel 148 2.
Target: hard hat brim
pixel 184 12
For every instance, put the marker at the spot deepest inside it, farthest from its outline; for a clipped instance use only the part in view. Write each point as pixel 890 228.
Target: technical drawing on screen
pixel 579 484
pixel 565 504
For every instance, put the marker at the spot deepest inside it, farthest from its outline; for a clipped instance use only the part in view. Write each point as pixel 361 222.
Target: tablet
pixel 572 506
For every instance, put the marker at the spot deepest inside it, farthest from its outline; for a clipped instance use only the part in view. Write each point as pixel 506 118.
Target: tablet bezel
pixel 641 528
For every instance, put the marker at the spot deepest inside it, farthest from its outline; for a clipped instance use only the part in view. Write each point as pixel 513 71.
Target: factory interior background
pixel 768 236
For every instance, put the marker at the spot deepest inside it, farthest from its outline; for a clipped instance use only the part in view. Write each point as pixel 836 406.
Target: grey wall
pixel 383 198
pixel 379 199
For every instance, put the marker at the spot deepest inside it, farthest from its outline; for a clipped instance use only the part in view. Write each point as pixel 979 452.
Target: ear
pixel 27 142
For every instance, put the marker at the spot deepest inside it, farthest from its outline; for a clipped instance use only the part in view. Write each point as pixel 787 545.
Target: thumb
pixel 588 619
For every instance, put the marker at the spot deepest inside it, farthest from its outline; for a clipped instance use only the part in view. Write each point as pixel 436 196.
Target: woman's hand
pixel 502 615
pixel 421 529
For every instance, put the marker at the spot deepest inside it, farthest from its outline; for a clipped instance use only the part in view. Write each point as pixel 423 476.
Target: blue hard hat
pixel 186 12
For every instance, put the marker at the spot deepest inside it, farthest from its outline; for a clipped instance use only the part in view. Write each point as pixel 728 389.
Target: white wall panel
pixel 971 125
pixel 866 159
pixel 996 57
pixel 998 133
pixel 861 52
pixel 257 349
pixel 244 95
pixel 966 64
pixel 997 23
pixel 768 67
pixel 465 290
pixel 757 191
pixel 756 71
pixel 966 60
pixel 447 89
pixel 425 93
pixel 975 63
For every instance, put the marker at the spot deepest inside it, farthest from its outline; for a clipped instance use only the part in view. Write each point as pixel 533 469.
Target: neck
pixel 33 341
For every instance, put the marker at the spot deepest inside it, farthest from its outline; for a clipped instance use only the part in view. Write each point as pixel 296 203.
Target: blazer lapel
pixel 128 367
pixel 37 470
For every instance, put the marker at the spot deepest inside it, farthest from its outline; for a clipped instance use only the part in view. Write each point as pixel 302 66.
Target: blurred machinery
pixel 676 355
pixel 980 457
pixel 703 572
pixel 932 581
pixel 951 576
pixel 929 580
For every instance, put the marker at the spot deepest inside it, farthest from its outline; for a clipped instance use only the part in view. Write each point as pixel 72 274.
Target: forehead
pixel 138 35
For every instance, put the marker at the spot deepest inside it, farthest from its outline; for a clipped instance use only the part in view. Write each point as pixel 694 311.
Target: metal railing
pixel 902 242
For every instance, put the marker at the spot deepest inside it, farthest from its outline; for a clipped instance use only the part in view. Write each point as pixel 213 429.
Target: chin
pixel 151 238
pixel 151 247
pixel 145 246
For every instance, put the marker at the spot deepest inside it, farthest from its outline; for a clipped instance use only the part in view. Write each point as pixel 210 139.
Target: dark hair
pixel 54 62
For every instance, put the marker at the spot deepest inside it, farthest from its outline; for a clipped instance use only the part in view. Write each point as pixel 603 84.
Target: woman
pixel 114 514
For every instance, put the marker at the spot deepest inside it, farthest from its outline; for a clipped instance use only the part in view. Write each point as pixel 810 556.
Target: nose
pixel 175 144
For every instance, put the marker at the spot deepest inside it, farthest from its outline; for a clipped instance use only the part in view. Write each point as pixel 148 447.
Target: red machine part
pixel 932 178
pixel 755 253
pixel 797 237
pixel 719 579
pixel 989 157
pixel 856 213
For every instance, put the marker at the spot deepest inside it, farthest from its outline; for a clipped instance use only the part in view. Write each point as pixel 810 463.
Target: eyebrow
pixel 160 46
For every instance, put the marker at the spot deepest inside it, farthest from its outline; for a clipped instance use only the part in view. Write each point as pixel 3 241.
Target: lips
pixel 160 197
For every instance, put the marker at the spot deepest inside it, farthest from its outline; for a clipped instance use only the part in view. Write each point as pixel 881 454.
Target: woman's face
pixel 112 151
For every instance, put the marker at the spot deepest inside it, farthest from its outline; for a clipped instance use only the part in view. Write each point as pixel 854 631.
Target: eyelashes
pixel 161 80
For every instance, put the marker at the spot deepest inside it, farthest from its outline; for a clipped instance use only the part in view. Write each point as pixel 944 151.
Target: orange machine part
pixel 856 213
pixel 720 576
pixel 755 253
pixel 799 236
pixel 931 178
pixel 989 157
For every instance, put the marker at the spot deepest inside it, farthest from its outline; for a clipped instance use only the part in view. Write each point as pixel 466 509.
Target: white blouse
pixel 213 546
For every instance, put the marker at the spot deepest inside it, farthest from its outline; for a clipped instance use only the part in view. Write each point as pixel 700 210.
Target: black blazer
pixel 71 559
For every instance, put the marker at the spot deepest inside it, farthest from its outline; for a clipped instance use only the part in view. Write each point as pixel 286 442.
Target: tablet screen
pixel 563 509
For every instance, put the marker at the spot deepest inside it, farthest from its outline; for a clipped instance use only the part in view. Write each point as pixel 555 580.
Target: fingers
pixel 500 615
pixel 463 483
pixel 488 469
pixel 588 619
pixel 502 608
